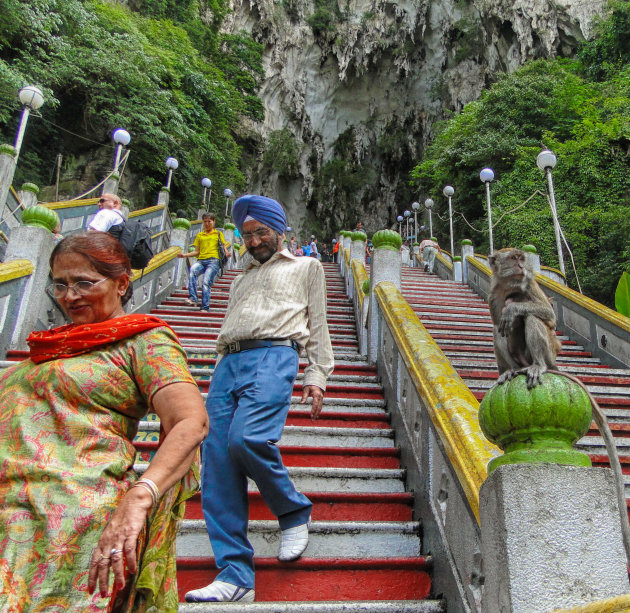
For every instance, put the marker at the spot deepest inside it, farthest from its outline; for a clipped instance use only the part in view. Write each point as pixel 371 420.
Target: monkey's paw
pixel 505 325
pixel 508 375
pixel 534 375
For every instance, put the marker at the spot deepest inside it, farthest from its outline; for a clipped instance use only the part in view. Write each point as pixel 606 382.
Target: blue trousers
pixel 247 405
pixel 209 268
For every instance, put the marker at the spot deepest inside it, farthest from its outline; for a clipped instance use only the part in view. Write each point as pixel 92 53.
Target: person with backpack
pixel 134 235
pixel 109 214
pixel 206 250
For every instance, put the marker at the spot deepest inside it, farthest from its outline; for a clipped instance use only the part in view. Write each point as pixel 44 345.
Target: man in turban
pixel 276 309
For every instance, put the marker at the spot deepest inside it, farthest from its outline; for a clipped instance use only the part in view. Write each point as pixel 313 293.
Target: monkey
pixel 524 321
pixel 525 342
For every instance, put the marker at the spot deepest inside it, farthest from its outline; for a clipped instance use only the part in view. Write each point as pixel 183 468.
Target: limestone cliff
pixel 357 85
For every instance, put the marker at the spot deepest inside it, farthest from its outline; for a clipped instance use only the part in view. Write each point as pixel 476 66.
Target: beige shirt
pixel 283 298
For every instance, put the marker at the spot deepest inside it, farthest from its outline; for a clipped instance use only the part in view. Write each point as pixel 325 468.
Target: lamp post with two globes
pixel 399 219
pixel 407 214
pixel 122 139
pixel 546 161
pixel 415 206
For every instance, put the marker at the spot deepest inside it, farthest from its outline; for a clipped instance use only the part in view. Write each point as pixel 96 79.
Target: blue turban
pixel 265 210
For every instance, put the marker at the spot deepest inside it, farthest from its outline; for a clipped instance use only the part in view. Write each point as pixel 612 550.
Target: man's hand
pixel 317 395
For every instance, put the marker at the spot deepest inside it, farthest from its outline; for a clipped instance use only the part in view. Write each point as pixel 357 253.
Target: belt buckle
pixel 234 347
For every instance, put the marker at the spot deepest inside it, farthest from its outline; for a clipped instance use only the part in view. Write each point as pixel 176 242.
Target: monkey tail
pixel 615 464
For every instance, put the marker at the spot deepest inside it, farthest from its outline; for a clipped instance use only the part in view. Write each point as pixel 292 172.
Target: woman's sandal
pixel 190 302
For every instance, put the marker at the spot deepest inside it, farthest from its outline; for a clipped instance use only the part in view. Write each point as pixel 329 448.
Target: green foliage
pixel 323 21
pixel 622 295
pixel 554 104
pixel 177 85
pixel 604 54
pixel 281 154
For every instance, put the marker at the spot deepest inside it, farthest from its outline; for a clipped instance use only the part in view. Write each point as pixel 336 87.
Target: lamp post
pixel 407 214
pixel 122 139
pixel 415 206
pixel 227 192
pixel 546 161
pixel 172 164
pixel 448 191
pixel 207 189
pixel 399 219
pixel 487 176
pixel 428 205
pixel 31 98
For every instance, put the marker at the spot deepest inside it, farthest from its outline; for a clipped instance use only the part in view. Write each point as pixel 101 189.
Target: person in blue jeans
pixel 250 396
pixel 206 250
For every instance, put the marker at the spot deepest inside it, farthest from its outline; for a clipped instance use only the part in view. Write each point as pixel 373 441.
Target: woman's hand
pixel 119 541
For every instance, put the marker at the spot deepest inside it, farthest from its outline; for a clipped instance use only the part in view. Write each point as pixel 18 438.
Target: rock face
pixel 359 85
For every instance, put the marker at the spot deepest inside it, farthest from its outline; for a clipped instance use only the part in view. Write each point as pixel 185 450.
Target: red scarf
pixel 72 340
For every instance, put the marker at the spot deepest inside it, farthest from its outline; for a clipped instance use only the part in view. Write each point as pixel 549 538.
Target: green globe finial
pixel 358 236
pixel 536 425
pixel 529 248
pixel 180 223
pixel 387 239
pixel 40 217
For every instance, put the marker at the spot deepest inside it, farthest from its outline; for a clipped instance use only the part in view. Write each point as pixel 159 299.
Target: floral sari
pixel 66 459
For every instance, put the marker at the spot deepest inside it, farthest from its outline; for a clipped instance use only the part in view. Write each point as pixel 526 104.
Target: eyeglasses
pixel 261 233
pixel 101 200
pixel 81 288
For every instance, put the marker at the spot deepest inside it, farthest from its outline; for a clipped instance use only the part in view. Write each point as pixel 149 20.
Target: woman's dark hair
pixel 104 253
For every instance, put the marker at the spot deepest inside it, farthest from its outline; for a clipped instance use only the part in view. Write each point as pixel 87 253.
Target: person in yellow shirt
pixel 206 250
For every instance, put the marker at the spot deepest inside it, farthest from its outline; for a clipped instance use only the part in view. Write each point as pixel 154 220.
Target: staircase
pixel 459 321
pixel 364 552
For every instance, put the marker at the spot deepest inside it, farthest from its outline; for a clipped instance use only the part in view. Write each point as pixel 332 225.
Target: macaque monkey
pixel 524 322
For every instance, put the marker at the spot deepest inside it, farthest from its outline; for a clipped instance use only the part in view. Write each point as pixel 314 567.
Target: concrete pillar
pixel 164 196
pixel 228 233
pixel 34 244
pixel 385 267
pixel 467 250
pixel 404 256
pixel 28 194
pixel 357 252
pixel 551 538
pixel 457 269
pixel 532 257
pixel 416 251
pixel 7 170
pixel 111 184
pixel 180 238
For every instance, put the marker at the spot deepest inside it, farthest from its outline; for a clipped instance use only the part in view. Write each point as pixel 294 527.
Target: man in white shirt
pixel 314 251
pixel 277 308
pixel 109 214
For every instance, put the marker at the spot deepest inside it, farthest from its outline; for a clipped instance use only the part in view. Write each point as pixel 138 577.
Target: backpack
pixel 135 237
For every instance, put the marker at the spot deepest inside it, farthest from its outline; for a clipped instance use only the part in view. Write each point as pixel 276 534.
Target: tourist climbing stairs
pixel 459 322
pixel 365 549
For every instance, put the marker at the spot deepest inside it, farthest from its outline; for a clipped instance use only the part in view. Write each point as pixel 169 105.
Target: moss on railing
pixel 15 269
pixel 360 276
pixel 451 405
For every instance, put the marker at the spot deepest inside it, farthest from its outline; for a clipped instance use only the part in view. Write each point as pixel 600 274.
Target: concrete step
pixel 358 540
pixel 312 581
pixel 356 480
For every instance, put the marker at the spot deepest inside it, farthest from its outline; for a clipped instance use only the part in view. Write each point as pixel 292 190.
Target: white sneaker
pixel 294 542
pixel 219 591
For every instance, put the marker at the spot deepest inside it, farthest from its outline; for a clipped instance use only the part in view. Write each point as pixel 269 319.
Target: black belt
pixel 237 346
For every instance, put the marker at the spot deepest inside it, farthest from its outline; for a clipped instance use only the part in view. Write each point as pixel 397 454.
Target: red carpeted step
pixel 322 579
pixel 331 506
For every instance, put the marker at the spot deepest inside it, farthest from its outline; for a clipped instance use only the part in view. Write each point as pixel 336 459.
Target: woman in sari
pixel 79 531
